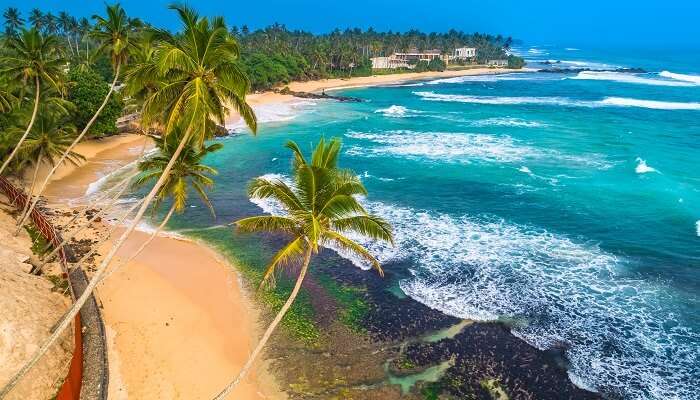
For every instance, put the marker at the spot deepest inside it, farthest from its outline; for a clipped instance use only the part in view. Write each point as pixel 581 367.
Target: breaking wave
pixel 653 104
pixel 681 77
pixel 508 122
pixel 273 112
pixel 397 112
pixel 461 147
pixel 558 101
pixel 624 77
pixel 642 167
pixel 567 294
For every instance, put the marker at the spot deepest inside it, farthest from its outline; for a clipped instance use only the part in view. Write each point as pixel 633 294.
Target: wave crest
pixel 624 77
pixel 462 147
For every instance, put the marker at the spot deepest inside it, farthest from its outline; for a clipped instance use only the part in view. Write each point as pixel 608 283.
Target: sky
pixel 624 23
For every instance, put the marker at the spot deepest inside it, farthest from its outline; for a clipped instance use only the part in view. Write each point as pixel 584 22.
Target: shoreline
pixel 158 301
pixel 145 345
pixel 315 86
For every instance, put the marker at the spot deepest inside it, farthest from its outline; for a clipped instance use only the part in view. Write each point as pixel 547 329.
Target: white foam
pixel 642 167
pixel 273 112
pixel 558 101
pixel 658 105
pixel 461 148
pixel 681 77
pixel 571 49
pixel 621 331
pixel 697 227
pixel 507 122
pixel 519 76
pixel 525 170
pixel 504 100
pixel 627 78
pixel 395 111
pixel 537 51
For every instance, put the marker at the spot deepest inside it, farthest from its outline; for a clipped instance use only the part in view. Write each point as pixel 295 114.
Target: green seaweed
pixel 353 307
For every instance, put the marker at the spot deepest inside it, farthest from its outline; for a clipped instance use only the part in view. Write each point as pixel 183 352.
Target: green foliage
pixel 40 245
pixel 87 90
pixel 436 64
pixel 515 62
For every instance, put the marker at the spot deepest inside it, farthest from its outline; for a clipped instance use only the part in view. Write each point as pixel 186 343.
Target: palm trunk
pixel 69 150
pixel 249 364
pixel 103 211
pixel 92 251
pixel 105 194
pixel 122 184
pixel 97 277
pixel 31 191
pixel 144 244
pixel 26 133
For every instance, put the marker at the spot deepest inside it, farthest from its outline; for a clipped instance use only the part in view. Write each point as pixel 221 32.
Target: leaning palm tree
pixel 199 80
pixel 31 56
pixel 188 174
pixel 114 33
pixel 320 209
pixel 47 141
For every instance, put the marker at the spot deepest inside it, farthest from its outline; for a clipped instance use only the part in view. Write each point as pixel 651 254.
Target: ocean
pixel 567 204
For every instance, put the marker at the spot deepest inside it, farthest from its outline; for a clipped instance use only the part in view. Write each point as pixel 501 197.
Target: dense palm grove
pixel 276 54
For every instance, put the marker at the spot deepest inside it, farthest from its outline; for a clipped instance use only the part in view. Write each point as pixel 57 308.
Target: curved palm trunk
pixel 105 194
pixel 92 251
pixel 251 360
pixel 97 200
pixel 99 274
pixel 71 236
pixel 70 148
pixel 26 133
pixel 30 193
pixel 144 244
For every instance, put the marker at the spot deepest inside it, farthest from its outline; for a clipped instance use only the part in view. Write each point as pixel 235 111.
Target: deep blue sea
pixel 567 204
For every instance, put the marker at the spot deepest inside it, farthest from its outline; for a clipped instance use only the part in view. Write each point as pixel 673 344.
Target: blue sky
pixel 564 22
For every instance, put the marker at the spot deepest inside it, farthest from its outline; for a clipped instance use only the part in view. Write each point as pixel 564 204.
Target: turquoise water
pixel 570 202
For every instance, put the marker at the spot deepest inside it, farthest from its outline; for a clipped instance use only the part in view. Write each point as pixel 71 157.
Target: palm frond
pixel 350 246
pixel 289 254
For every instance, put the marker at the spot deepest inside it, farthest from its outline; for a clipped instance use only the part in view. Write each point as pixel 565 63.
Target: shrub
pixel 87 90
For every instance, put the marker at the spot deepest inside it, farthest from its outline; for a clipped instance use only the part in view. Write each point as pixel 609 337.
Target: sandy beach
pixel 268 97
pixel 179 321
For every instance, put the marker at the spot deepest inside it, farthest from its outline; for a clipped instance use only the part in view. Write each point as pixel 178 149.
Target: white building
pixel 388 63
pixel 464 53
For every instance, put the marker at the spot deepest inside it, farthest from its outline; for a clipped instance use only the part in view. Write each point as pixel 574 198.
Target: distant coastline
pixel 317 86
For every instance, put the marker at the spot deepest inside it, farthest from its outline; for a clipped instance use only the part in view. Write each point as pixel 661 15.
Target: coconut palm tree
pixel 13 21
pixel 48 140
pixel 199 80
pixel 114 33
pixel 320 209
pixel 33 57
pixel 188 174
pixel 36 18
